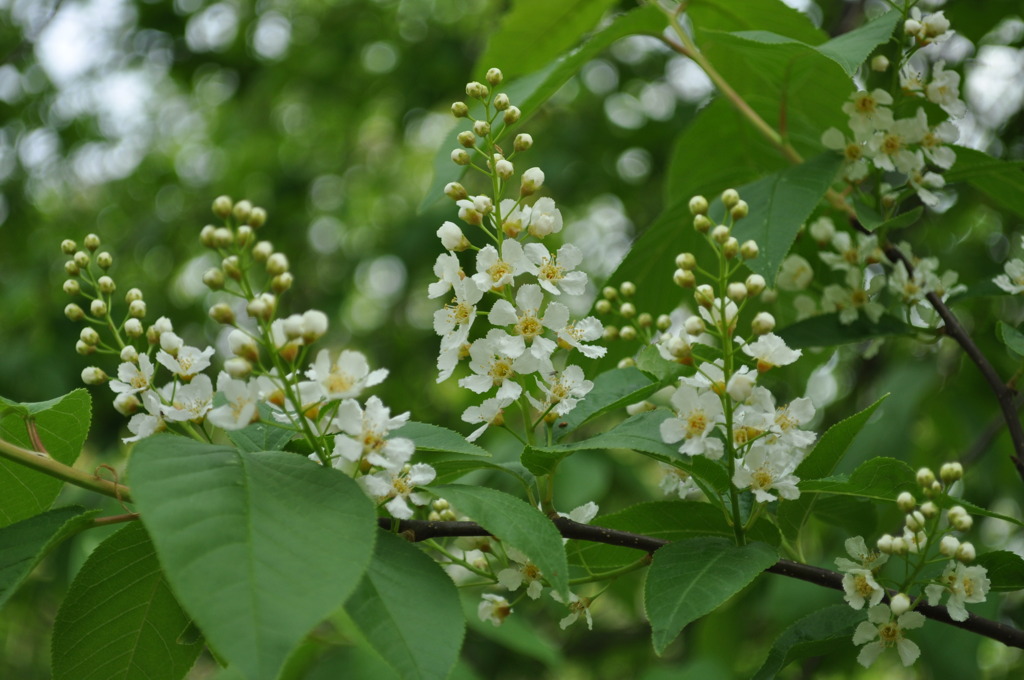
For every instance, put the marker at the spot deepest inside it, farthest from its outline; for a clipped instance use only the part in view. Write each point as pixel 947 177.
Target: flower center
pixel 500 370
pixel 696 422
pixel 761 479
pixel 499 270
pixel 529 326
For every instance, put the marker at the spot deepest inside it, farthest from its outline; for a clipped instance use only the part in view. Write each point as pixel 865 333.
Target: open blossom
pixel 556 273
pixel 545 218
pixel 521 571
pixel 493 272
pixel 448 272
pixel 881 632
pixel 364 435
pixel 490 412
pixel 697 413
pixel 577 606
pixel 868 111
pixel 397 486
pixel 1011 281
pixel 563 392
pixel 494 361
pixel 454 321
pixel 679 482
pixel 493 608
pixel 527 323
pixel 855 163
pixel 768 468
pixel 190 402
pixel 346 376
pixel 770 350
pixel 944 90
pixel 242 401
pixel 574 333
pixel 187 362
pixel 134 378
pixel 963 584
pixel 145 424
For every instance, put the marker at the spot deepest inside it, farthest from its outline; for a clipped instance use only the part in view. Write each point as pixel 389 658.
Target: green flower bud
pixel 98 308
pixel 522 142
pixel 737 292
pixel 93 376
pixel 721 233
pixel 501 101
pixel 684 278
pixel 455 191
pixel 262 250
pixel 72 269
pixel 731 247
pixel 477 90
pixel 686 261
pixel 626 362
pixel 645 320
pixel 698 205
pixel 459 109
pixel 627 333
pixel 702 224
pixel 627 288
pixel 222 206
pixel 257 218
pixel 749 250
pixel 72 287
pixel 137 309
pixel 694 325
pixel 277 264
pixel 282 282
pixel 223 237
pixel 106 285
pixel 84 348
pixel 494 76
pixel 609 293
pixel 512 115
pixel 68 247
pixel 467 139
pixel 82 259
pixel 481 128
pixel 132 295
pixel 603 306
pixel 730 197
pixel 89 336
pixel 92 241
pixel 214 279
pixel 231 267
pixel 755 283
pixel 628 310
pixel 104 260
pixel 206 235
pixel 133 328
pixel 663 323
pixel 222 313
pixel 740 210
pixel 460 157
pixel 243 235
pixel 242 210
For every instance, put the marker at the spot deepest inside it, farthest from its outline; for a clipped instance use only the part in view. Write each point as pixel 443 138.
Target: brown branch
pixel 420 530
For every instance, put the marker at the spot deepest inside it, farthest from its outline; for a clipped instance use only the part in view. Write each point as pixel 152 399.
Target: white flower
pixel 795 274
pixel 188 361
pixel 944 90
pixel 861 587
pixel 770 351
pixel 868 112
pixel 521 570
pixel 527 323
pixel 788 420
pixel 574 333
pixel 555 273
pixel 865 558
pixel 493 360
pixel 1012 282
pixel 935 139
pixel 133 378
pixel 889 150
pixel 242 400
pixel 964 584
pixel 399 486
pixel 766 468
pixel 849 302
pixel 490 412
pixel 364 435
pixel 697 413
pixel 347 376
pixel 881 632
pixel 922 183
pixel 190 402
pixel 545 218
pixel 722 314
pixel 493 272
pixel 577 606
pixel 532 180
pixel 454 320
pixel 143 425
pixel 493 608
pixel 563 392
pixel 855 165
pixel 448 272
pixel 679 482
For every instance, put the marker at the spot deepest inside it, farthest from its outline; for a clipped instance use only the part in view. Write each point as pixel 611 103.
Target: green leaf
pixel 753 15
pixel 816 634
pixel 691 578
pixel 667 520
pixel 880 479
pixel 451 467
pixel 408 609
pixel 62 425
pixel 613 390
pixel 24 544
pixel 825 330
pixel 1005 570
pixel 821 462
pixel 516 523
pixel 549 27
pixel 429 437
pixel 1011 337
pixel 259 547
pixel 899 222
pixel 261 436
pixel 120 619
pixel 851 49
pixel 1002 181
pixel 946 501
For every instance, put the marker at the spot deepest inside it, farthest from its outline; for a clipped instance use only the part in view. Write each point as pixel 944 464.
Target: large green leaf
pixel 24 544
pixel 1011 337
pixel 1005 570
pixel 408 609
pixel 612 390
pixel 429 437
pixel 825 330
pixel 753 15
pixel 691 578
pixel 1002 181
pixel 120 620
pixel 262 435
pixel 62 425
pixel 548 27
pixel 821 462
pixel 816 634
pixel 516 523
pixel 880 479
pixel 258 547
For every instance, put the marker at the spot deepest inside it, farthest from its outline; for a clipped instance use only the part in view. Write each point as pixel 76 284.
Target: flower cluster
pixel 1012 278
pixel 925 539
pixel 268 376
pixel 528 281
pixel 721 412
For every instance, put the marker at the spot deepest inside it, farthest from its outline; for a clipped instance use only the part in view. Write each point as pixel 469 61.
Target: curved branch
pixel 420 530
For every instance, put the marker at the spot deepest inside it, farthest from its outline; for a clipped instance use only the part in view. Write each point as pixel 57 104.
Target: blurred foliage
pixel 126 117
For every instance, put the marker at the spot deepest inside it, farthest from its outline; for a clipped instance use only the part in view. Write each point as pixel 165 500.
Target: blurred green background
pixel 127 117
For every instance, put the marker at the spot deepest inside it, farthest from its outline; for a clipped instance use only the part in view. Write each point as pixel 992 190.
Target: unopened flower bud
pixel 736 291
pixel 104 260
pixel 626 362
pixel 720 233
pixel 879 63
pixel 459 109
pixel 257 218
pixel 698 205
pixel 68 247
pixel 314 324
pixel 82 259
pixel 92 241
pixel 763 323
pixel 73 312
pixel 277 264
pixel 214 279
pixel 822 230
pixel 460 157
pixel 686 261
pixel 628 310
pixel 127 404
pixel 71 268
pixel 627 288
pixel 663 322
pixel 906 501
pixel 610 333
pixel 222 206
pixel 899 546
pixel 238 368
pixel 84 348
pixel 884 544
pixel 704 295
pixel 522 142
pixel 644 320
pixel 244 234
pixel 241 344
pixel 452 237
pixel 532 180
pixel 494 76
pixel 503 169
pixel 93 376
pixel 231 266
pixel 740 210
pixel 501 101
pixel 89 336
pixel 106 285
pixel 477 90
pixel 242 210
pixel 98 308
pixel 951 472
pixel 610 293
pixel 130 354
pixel 262 251
pixel 899 604
pixel 282 282
pixel 702 223
pixel 684 278
pixel 694 325
pixel 512 115
pixel 627 333
pixel 966 552
pixel 730 197
pixel 929 509
pixel 749 250
pixel 925 477
pixel 133 328
pixel 755 283
pixel 731 247
pixel 467 139
pixel 741 386
pixel 602 306
pixel 222 313
pixel 455 191
pixel 260 308
pixel 948 545
pixel 72 287
pixel 915 520
pixel 912 27
pixel 223 237
pixel 137 309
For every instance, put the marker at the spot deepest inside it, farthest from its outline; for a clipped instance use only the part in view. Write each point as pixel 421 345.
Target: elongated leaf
pixel 24 544
pixel 258 547
pixel 408 609
pixel 821 462
pixel 549 27
pixel 612 390
pixel 1005 570
pixel 514 522
pixel 261 436
pixel 816 634
pixel 120 620
pixel 753 15
pixel 899 222
pixel 436 438
pixel 825 330
pixel 1002 181
pixel 879 479
pixel 946 501
pixel 62 425
pixel 691 578
pixel 1011 337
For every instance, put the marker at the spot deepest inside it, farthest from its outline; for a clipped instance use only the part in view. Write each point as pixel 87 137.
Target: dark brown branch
pixel 421 530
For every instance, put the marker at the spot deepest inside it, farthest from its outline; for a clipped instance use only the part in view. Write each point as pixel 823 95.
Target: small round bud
pixel 93 376
pixel 626 362
pixel 948 545
pixel 899 546
pixel 68 247
pixel 133 328
pixel 72 269
pixel 731 247
pixel 242 210
pixel 460 157
pixel 314 325
pixel 257 218
pixel 440 504
pixel 277 264
pixel 899 604
pixel 686 261
pixel 238 368
pixel 879 63
pixel 915 521
pixel 84 348
pixel 262 251
pixel 720 233
pixel 214 279
pixel 694 325
pixel 522 142
pixel 72 287
pixel 951 472
pixel 244 235
pixel 477 90
pixel 736 291
pixel 962 521
pixel 92 241
pixel 127 404
pixel 512 115
pixel 628 310
pixel 644 320
pixel 702 224
pixel 231 267
pixel 884 544
pixel 98 308
pixel 89 336
pixel 627 333
pixel 609 293
pixel 459 109
pixel 627 288
pixel 704 295
pixel 763 323
pixel 610 333
pixel 501 101
pixel 104 260
pixel 223 237
pixel 282 282
pixel 929 509
pixel 663 323
pixel 455 191
pixel 467 139
pixel 494 76
pixel 684 278
pixel 912 27
pixel 129 354
pixel 755 283
pixel 531 180
pixel 481 128
pixel 740 210
pixel 222 313
pixel 822 230
pixel 925 477
pixel 698 205
pixel 906 501
pixel 106 285
pixel 206 235
pixel 82 259
pixel 603 306
pixel 749 250
pixel 73 312
pixel 730 197
pixel 965 552
pixel 132 295
pixel 769 295
pixel 222 206
pixel 503 169
pixel 935 489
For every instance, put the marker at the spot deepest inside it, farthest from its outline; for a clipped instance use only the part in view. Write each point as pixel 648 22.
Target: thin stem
pixel 50 466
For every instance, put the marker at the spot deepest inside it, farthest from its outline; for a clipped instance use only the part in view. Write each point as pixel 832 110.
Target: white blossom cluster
pixel 913 145
pixel 925 538
pixel 1012 278
pixel 516 281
